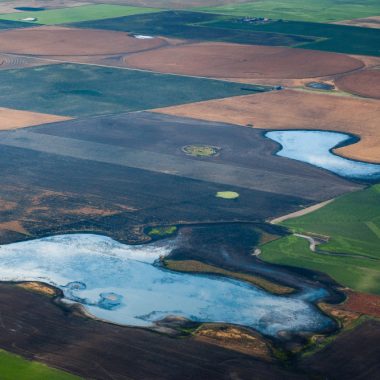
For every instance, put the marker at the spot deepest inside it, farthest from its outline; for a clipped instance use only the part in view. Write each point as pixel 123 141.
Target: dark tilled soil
pixel 353 355
pixel 32 326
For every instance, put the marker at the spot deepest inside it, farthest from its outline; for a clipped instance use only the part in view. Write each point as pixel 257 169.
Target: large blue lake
pixel 121 283
pixel 314 147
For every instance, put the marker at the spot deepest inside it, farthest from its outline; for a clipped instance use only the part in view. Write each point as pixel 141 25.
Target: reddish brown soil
pixel 368 304
pixel 60 41
pixel 289 109
pixel 364 83
pixel 223 60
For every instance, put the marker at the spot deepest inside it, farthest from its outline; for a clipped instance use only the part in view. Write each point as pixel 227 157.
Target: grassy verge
pixel 15 367
pixel 199 267
pixel 77 14
pixel 162 231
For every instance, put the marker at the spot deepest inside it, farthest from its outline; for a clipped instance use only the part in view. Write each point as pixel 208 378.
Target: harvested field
pixel 289 109
pixel 363 83
pixel 221 60
pixel 60 41
pixel 367 22
pixel 352 355
pixel 101 351
pixel 14 119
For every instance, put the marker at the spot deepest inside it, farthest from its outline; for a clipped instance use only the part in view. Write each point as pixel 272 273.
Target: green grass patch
pixel 304 10
pixel 359 274
pixel 352 222
pixel 77 14
pixel 81 90
pixel 162 231
pixel 227 194
pixel 15 367
pixel 352 253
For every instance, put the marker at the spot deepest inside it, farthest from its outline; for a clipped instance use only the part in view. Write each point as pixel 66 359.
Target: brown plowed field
pixel 289 109
pixel 32 326
pixel 60 41
pixel 224 60
pixel 16 62
pixel 14 119
pixel 364 83
pixel 353 355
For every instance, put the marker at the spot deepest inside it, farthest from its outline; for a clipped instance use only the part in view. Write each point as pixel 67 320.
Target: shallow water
pixel 121 284
pixel 314 148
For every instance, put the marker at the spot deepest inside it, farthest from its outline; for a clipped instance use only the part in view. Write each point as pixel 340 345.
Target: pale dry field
pixel 291 109
pixel 367 22
pixel 14 119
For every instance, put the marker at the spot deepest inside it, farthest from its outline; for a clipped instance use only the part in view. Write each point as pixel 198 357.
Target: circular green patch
pixel 201 150
pixel 227 194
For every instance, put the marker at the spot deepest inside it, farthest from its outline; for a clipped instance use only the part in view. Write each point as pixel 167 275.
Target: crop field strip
pixel 213 27
pixel 297 110
pixel 61 186
pixel 222 173
pixel 80 90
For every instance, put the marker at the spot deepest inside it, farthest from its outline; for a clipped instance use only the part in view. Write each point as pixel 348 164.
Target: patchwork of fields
pixel 146 121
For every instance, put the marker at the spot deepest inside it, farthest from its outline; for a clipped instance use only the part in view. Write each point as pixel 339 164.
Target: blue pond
pixel 122 284
pixel 314 147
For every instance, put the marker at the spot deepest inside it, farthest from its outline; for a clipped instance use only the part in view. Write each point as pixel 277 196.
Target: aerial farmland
pixel 189 189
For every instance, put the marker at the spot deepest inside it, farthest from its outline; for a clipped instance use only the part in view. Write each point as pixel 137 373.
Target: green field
pixel 352 222
pixel 77 14
pixel 352 253
pixel 302 10
pixel 328 37
pixel 80 90
pixel 13 367
pixel 191 25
